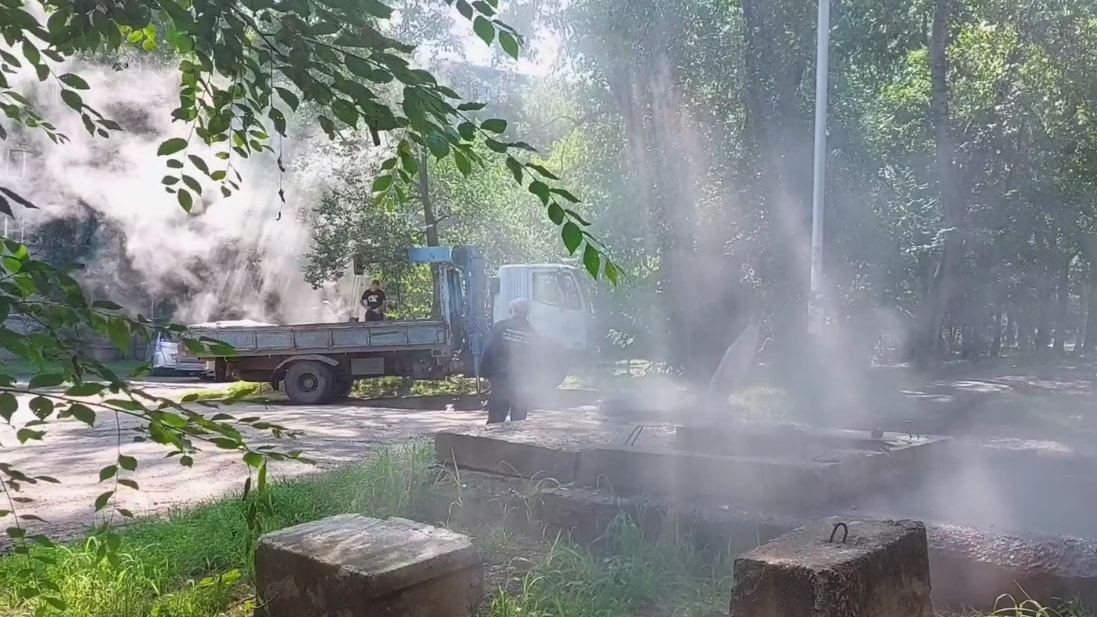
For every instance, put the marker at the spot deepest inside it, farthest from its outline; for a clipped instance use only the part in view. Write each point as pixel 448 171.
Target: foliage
pixel 244 68
pixel 69 385
pixel 244 65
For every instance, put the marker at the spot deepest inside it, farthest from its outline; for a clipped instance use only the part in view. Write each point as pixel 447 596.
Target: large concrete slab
pixel 546 446
pixel 685 476
pixel 880 570
pixel 355 566
pixel 856 461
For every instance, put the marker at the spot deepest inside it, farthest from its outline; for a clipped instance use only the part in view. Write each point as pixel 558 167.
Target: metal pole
pixel 819 168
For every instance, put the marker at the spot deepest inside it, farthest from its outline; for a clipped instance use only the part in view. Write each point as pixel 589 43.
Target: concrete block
pixel 538 448
pixel 881 570
pixel 355 566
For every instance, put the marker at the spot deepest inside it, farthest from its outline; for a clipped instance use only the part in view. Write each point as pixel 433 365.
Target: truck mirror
pixel 359 264
pixel 494 285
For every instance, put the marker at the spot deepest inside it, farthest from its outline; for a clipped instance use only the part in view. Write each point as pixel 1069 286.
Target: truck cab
pixel 561 309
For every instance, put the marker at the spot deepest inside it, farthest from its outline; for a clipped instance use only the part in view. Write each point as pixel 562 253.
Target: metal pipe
pixel 819 168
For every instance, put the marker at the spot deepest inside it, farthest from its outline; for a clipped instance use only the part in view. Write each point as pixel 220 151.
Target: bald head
pixel 519 307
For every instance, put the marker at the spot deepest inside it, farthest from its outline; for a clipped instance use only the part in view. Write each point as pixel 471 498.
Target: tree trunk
pixel 1090 337
pixel 1063 307
pixel 996 323
pixel 431 231
pixel 942 287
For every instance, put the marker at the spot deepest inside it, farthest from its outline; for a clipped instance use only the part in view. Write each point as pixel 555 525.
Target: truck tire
pixel 309 382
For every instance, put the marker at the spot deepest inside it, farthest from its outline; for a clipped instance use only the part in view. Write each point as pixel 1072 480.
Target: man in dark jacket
pixel 507 356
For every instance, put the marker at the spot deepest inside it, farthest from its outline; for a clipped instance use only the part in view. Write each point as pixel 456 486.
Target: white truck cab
pixel 561 306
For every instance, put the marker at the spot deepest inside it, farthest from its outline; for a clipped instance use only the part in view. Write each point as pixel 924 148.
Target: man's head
pixel 375 285
pixel 519 308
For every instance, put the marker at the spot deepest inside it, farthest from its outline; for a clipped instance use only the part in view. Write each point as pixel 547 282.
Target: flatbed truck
pixel 318 363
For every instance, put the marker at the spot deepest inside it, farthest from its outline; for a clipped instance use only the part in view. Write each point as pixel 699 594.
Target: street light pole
pixel 819 168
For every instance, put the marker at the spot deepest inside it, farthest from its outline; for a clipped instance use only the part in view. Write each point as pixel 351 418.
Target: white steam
pixel 231 258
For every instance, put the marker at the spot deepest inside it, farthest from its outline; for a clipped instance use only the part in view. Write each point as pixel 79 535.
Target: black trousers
pixel 371 316
pixel 504 400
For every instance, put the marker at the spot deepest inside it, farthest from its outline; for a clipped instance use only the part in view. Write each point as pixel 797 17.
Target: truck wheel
pixel 309 382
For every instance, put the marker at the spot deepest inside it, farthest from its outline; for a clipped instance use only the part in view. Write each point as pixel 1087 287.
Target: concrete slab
pixel 880 570
pixel 355 566
pixel 860 460
pixel 683 476
pixel 545 446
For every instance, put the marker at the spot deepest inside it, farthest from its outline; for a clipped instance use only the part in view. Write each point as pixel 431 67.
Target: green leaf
pixel 381 184
pixel 8 405
pixel 438 145
pixel 185 199
pixel 464 165
pixel 566 195
pixel 119 332
pixel 515 168
pixel 107 473
pixel 46 380
pixel 253 459
pixel 592 260
pixel 289 97
pixel 483 29
pixel 611 272
pixel 74 81
pixel 471 106
pixel 542 170
pixel 358 66
pixel 171 146
pixel 345 112
pixel 572 236
pixel 541 190
pixel 509 44
pixel 41 407
pixel 556 213
pixel 82 413
pixel 494 125
pixel 102 500
pixel 127 462
pixel 73 99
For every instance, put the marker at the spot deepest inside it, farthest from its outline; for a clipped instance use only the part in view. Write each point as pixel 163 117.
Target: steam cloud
pixel 231 258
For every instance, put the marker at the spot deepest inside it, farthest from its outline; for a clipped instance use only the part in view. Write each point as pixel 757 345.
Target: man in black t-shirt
pixel 374 301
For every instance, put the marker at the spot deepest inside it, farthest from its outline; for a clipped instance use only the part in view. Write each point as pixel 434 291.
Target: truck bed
pixel 346 337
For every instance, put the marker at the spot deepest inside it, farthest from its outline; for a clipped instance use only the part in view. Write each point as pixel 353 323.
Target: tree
pixel 244 67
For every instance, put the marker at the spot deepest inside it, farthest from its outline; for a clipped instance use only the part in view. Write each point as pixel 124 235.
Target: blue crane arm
pixel 467 296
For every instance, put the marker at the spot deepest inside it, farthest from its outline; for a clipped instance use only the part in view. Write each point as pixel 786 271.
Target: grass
pixel 196 562
pixel 236 390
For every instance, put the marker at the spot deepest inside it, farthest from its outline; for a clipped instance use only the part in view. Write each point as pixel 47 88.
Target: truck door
pixel 557 309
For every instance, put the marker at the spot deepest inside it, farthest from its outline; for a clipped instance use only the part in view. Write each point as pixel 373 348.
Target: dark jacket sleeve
pixel 490 360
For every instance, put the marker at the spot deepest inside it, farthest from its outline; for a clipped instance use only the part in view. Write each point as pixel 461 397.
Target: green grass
pixel 391 387
pixel 196 563
pixel 173 566
pixel 237 391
